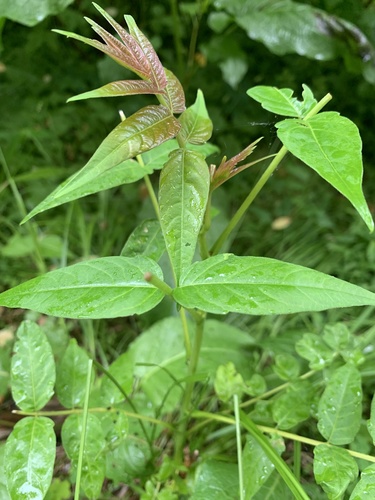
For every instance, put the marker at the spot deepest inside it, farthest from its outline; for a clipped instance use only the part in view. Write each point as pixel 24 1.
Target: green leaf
pixel 274 489
pixel 183 194
pixel 173 96
pixel 340 407
pixel 228 382
pixel 334 470
pixel 120 88
pixel 108 287
pixel 215 479
pixel 29 458
pixel 315 350
pixel 257 467
pixel 257 285
pixel 331 145
pixel 337 336
pixel 93 468
pixel 32 369
pixel 72 376
pixel 142 131
pixel 196 126
pixel 128 461
pixel 286 366
pixel 233 70
pixel 59 490
pixel 31 12
pixel 293 406
pixel 147 240
pixel 371 421
pixel 366 485
pixel 153 366
pixel 281 102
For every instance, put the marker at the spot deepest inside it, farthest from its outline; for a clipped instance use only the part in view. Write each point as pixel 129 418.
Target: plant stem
pixel 158 283
pixel 248 201
pixel 239 445
pixel 185 328
pixel 203 248
pixel 297 459
pixel 180 434
pixel 260 184
pixel 30 226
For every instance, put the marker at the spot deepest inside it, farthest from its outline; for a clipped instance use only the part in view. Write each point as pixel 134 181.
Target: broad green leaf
pixel 275 489
pixel 256 385
pixel 286 366
pixel 281 101
pixel 183 193
pixel 337 336
pixel 153 366
pixel 115 427
pixel 366 485
pixel 142 131
pixel 196 126
pixel 93 468
pixel 233 70
pixel 257 467
pixel 108 287
pixel 59 490
pixel 313 348
pixel 31 12
pixel 257 285
pixel 334 470
pixel 214 479
pixel 129 460
pixel 29 458
pixel 32 369
pixel 293 406
pixel 331 145
pixel 371 421
pixel 4 494
pixel 120 88
pixel 6 347
pixel 340 407
pixel 147 240
pixel 72 376
pixel 228 382
pixel 19 245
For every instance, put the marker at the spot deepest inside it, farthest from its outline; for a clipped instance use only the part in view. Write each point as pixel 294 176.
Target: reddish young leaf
pixel 115 89
pixel 173 96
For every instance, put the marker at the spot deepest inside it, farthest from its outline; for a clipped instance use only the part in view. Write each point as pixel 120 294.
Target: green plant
pixel 112 431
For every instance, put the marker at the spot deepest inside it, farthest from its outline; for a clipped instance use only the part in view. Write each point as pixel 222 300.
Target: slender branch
pixel 185 328
pixel 158 283
pixel 239 445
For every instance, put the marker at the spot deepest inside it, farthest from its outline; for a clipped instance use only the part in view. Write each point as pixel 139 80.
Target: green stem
pixel 203 248
pixel 261 182
pixel 239 445
pixel 185 328
pixel 187 397
pixel 158 283
pixel 30 226
pixel 297 459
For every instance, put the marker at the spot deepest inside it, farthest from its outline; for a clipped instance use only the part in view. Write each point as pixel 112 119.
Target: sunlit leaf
pixel 366 485
pixel 32 369
pixel 93 467
pixel 281 101
pixel 340 407
pixel 331 145
pixel 142 131
pixel 120 88
pixel 228 382
pixel 147 240
pixel 100 288
pixel 72 376
pixel 183 193
pixel 196 126
pixel 257 285
pixel 334 470
pixel 29 458
pixel 173 96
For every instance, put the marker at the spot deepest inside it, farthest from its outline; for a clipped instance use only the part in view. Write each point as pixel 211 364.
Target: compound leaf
pixel 257 285
pixel 280 101
pixel 108 287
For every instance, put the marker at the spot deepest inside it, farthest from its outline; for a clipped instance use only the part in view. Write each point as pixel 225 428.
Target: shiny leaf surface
pixel 256 285
pixel 120 88
pixel 331 145
pixel 147 240
pixel 216 479
pixel 32 368
pixel 334 470
pixel 72 376
pixel 340 407
pixel 142 131
pixel 196 126
pixel 29 458
pixel 183 193
pixel 173 96
pixel 366 485
pixel 100 288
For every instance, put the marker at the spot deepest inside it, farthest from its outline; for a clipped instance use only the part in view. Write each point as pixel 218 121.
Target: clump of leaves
pixel 115 428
